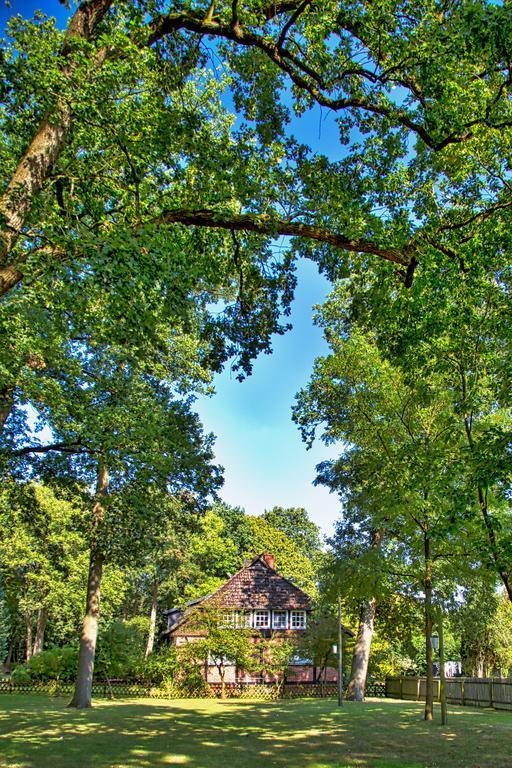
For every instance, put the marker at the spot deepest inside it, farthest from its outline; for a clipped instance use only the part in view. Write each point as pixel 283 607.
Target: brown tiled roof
pixel 258 585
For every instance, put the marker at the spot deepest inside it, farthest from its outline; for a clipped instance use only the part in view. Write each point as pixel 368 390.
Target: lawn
pixel 39 732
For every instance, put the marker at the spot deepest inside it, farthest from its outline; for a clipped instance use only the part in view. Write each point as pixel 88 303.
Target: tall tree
pixel 397 442
pixel 296 524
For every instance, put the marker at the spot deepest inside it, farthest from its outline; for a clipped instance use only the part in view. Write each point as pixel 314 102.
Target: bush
pixel 21 675
pixel 52 664
pixel 121 648
pixel 160 666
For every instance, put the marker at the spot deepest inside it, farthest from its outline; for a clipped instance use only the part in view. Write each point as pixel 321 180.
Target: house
pixel 258 599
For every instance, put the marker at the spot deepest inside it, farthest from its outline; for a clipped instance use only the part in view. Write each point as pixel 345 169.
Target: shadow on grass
pixel 41 732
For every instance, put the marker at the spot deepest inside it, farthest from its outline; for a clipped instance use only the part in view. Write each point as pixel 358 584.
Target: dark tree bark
pixel 28 636
pixel 429 695
pixel 42 619
pixel 152 618
pixel 83 685
pixel 6 403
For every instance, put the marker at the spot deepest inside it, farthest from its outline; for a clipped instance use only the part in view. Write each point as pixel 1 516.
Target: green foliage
pixel 272 656
pixel 120 647
pixel 44 553
pixel 316 643
pixel 290 562
pixel 5 627
pixel 160 666
pixel 295 523
pixel 216 644
pixel 52 664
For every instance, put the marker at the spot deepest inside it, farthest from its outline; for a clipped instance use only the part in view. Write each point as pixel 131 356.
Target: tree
pixel 124 429
pixel 317 643
pixel 366 51
pixel 217 644
pixel 398 440
pixel 289 560
pixel 295 523
pixel 42 556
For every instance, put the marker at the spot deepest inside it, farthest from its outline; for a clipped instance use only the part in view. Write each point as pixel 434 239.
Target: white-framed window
pixel 298 619
pixel 280 619
pixel 261 619
pixel 236 619
pixel 243 618
pixel 229 619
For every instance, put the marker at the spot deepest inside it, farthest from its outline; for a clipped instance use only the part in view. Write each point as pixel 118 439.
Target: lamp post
pixel 340 655
pixel 438 643
pixel 442 674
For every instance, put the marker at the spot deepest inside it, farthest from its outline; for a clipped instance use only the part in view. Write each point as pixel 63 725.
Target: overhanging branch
pixel 273 227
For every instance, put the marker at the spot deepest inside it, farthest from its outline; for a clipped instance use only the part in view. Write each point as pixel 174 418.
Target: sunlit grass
pixel 39 732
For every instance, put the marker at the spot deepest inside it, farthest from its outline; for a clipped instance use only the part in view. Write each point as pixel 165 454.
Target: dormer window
pixel 297 619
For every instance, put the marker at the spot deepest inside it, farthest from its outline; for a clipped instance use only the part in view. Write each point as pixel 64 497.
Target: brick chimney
pixel 269 559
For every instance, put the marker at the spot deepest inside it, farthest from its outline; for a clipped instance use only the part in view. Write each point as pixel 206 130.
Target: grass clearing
pixel 40 732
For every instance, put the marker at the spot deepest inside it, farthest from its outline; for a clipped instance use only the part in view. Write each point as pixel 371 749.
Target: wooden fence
pixel 471 691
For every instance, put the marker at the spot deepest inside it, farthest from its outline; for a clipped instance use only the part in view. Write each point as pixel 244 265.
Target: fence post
pixel 491 691
pixel 462 698
pixel 401 687
pixel 418 686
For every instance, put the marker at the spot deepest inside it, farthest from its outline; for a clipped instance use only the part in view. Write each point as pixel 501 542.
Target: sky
pixel 265 462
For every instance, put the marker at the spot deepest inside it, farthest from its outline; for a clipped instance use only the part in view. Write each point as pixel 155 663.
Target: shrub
pixel 121 648
pixel 21 675
pixel 52 664
pixel 160 666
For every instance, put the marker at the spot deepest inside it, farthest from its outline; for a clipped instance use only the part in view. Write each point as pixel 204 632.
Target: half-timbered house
pixel 261 601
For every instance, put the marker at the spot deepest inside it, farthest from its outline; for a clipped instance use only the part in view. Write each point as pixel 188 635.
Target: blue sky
pixel 265 462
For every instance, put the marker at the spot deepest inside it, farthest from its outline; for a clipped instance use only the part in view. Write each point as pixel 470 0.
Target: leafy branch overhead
pixel 390 73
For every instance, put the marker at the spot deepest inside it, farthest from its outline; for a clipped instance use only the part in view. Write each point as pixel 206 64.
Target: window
pixel 280 619
pixel 229 619
pixel 261 619
pixel 298 619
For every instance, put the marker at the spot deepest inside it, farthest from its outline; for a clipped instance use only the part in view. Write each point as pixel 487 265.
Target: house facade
pixel 264 604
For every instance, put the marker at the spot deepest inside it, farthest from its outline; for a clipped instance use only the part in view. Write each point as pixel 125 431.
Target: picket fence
pixel 470 691
pixel 122 688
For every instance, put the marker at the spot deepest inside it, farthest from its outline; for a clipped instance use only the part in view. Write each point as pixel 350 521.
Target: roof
pixel 256 585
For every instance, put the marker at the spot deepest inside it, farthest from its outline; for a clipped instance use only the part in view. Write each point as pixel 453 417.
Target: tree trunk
pixel 42 618
pixel 429 694
pixel 43 151
pixel 491 535
pixel 152 618
pixel 362 647
pixel 84 678
pixel 361 657
pixel 28 637
pixel 501 567
pixel 6 403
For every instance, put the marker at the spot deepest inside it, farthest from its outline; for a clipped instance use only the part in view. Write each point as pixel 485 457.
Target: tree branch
pixel 62 447
pixel 267 225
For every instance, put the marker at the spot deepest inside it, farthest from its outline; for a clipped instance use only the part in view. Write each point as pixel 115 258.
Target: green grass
pixel 39 732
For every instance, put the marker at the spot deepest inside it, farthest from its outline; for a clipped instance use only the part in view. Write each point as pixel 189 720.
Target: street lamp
pixel 340 655
pixel 438 642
